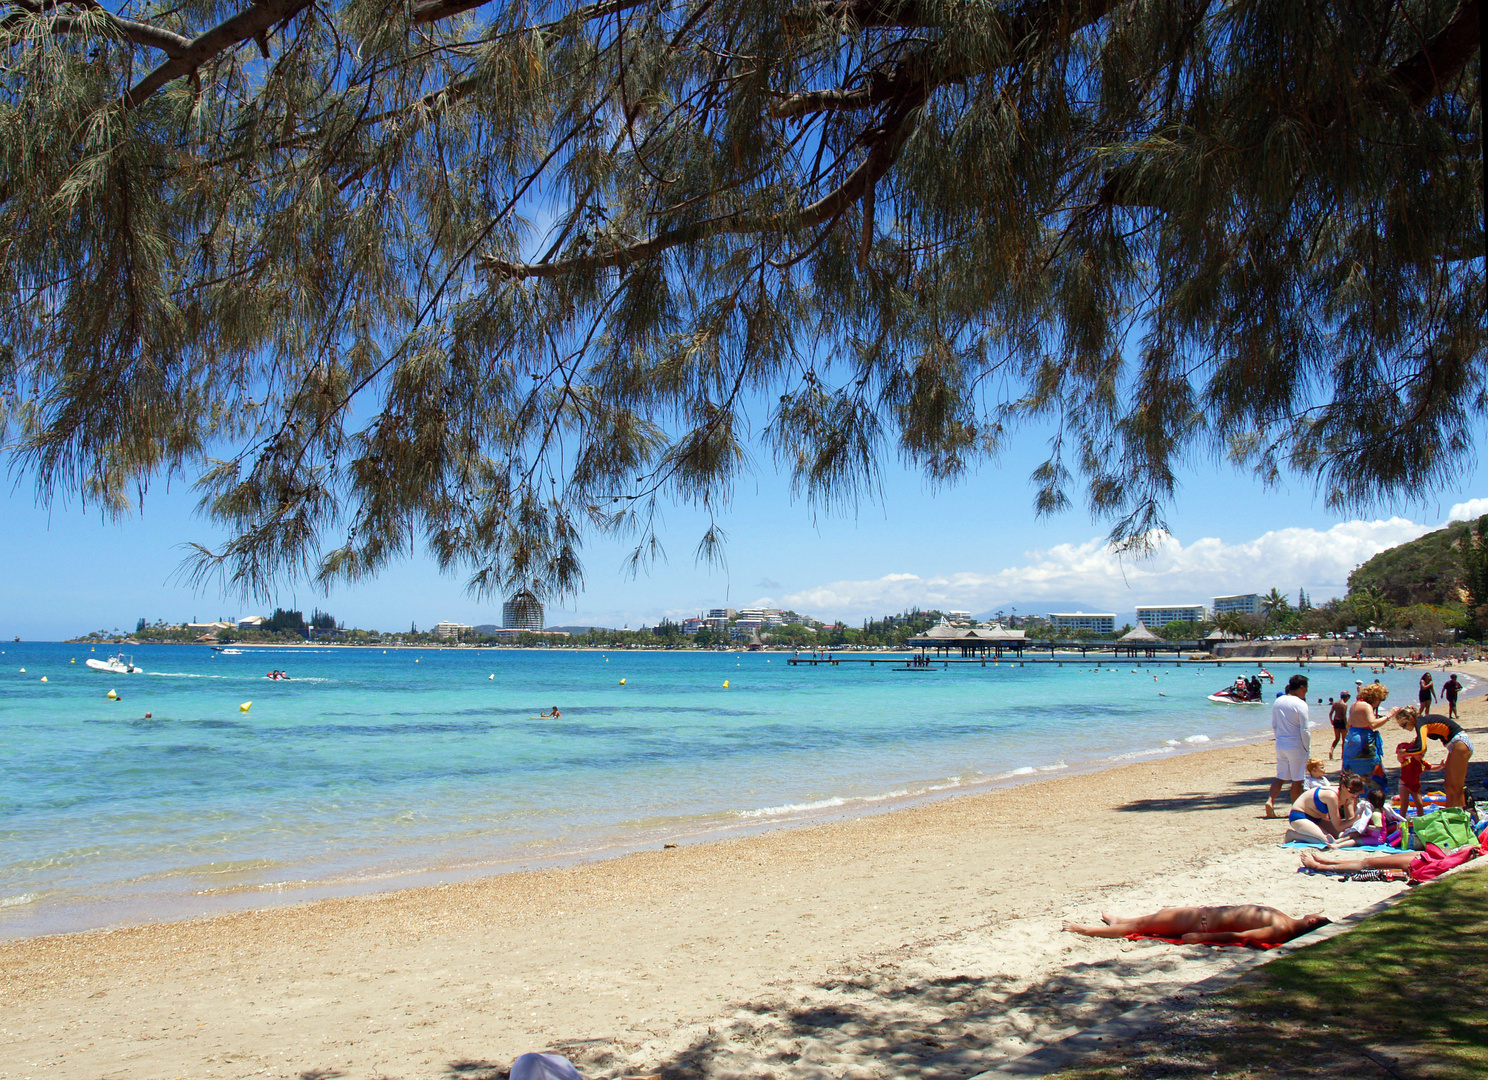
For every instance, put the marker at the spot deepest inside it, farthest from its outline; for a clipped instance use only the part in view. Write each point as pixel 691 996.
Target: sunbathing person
pixel 1419 865
pixel 1235 925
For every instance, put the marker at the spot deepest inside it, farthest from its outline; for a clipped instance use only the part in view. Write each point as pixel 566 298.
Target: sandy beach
pixel 924 943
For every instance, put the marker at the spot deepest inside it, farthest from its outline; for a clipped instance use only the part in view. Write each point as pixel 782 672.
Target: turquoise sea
pixel 372 770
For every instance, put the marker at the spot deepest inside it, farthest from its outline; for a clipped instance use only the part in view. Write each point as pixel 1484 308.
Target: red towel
pixel 1215 944
pixel 1434 862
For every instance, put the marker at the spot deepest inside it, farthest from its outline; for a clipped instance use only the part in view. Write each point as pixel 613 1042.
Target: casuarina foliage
pixel 491 277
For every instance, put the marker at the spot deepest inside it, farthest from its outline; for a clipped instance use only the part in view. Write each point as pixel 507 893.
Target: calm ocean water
pixel 375 769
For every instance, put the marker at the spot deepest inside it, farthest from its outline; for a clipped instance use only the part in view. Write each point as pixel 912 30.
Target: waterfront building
pixel 452 630
pixel 1242 604
pixel 252 622
pixel 691 626
pixel 522 612
pixel 1093 622
pixel 1156 616
pixel 958 616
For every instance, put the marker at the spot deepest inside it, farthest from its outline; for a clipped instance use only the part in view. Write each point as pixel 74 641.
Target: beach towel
pixel 1214 944
pixel 1436 862
pixel 1357 847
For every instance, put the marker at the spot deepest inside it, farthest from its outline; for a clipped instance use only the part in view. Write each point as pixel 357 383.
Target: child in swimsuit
pixel 1412 765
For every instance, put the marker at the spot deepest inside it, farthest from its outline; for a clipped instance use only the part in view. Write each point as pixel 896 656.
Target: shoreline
pixel 1060 656
pixel 744 825
pixel 206 899
pixel 849 945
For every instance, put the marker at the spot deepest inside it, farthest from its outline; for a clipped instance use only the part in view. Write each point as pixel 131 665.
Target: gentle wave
pixel 1135 754
pixel 791 808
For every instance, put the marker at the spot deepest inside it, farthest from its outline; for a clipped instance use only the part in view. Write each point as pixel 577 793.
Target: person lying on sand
pixel 1208 925
pixel 1418 865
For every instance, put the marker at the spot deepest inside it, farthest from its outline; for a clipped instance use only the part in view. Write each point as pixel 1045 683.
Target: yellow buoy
pixel 113 695
pixel 622 682
pixel 43 678
pixel 245 706
pixel 725 684
pixel 73 660
pixel 490 678
pixel 23 671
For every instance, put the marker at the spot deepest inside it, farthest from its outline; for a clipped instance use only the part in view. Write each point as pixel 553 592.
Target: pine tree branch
pixel 253 22
pixel 433 10
pixel 155 37
pixel 1427 73
pixel 1029 29
pixel 907 90
pixel 884 146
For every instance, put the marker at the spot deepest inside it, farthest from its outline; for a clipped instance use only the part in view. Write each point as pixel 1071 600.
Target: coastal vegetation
pixel 492 277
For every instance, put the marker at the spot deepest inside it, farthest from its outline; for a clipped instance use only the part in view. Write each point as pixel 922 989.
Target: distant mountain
pixel 1426 570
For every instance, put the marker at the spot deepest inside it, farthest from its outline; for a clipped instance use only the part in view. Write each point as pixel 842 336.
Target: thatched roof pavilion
pixel 972 642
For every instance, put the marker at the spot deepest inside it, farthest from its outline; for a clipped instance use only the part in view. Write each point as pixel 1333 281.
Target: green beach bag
pixel 1447 829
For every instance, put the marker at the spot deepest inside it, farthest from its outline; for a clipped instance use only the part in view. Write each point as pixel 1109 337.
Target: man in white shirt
pixel 1289 723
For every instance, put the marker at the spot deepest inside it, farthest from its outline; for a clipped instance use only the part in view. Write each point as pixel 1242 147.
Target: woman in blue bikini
pixel 1320 814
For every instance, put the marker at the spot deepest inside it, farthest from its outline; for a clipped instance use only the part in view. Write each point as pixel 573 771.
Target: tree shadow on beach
pixel 884 1024
pixel 1242 793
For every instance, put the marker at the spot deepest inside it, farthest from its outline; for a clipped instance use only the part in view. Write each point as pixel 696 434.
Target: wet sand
pixel 923 943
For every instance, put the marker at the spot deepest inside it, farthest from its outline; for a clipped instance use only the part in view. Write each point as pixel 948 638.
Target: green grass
pixel 1404 995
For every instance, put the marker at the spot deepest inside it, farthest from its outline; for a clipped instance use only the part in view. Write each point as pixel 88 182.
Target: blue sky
pixel 975 546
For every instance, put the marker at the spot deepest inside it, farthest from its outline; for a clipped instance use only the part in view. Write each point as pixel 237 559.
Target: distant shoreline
pixel 1284 651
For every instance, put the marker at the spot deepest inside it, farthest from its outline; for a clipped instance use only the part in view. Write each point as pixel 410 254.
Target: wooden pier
pixel 903 661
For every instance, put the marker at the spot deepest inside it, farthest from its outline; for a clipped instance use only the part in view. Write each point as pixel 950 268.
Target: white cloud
pixel 1468 511
pixel 1319 561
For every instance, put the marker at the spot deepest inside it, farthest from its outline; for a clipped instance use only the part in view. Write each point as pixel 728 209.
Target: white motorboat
pixel 231 652
pixel 118 664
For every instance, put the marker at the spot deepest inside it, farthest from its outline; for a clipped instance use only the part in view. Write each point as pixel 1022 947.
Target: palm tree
pixel 1229 622
pixel 1274 605
pixel 1370 606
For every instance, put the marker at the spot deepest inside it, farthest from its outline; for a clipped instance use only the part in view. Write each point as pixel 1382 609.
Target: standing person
pixel 1427 693
pixel 1293 741
pixel 1338 717
pixel 1448 732
pixel 1450 689
pixel 1363 749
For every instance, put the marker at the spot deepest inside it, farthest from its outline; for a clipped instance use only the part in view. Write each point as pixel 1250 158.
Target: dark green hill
pixel 1427 570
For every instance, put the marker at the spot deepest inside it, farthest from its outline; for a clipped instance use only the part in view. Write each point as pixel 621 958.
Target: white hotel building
pixel 1096 623
pixel 1244 604
pixel 1156 616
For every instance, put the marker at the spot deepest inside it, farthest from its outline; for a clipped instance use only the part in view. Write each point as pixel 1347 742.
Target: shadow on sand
pixel 937 1029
